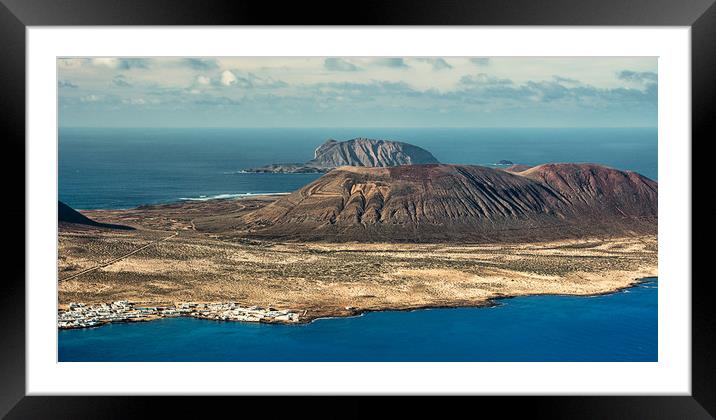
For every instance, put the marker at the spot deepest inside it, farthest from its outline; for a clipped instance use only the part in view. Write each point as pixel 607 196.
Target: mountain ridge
pixel 461 202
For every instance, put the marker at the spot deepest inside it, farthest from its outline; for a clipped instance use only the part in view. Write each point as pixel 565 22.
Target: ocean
pixel 618 327
pixel 123 168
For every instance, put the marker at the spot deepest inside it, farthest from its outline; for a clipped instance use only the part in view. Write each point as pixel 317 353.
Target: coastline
pixel 184 200
pixel 490 303
pixel 354 312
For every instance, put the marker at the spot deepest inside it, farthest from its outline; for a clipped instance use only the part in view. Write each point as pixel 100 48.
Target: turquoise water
pixel 121 168
pixel 617 327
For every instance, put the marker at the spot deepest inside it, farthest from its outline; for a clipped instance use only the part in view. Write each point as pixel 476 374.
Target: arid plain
pixel 170 257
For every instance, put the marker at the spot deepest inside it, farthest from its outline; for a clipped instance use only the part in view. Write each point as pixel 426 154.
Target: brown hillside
pixel 460 203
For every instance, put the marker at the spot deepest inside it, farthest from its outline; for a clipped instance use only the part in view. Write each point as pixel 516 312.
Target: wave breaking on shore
pixel 229 196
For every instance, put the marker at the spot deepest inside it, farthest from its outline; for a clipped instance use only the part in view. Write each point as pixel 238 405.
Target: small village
pixel 80 315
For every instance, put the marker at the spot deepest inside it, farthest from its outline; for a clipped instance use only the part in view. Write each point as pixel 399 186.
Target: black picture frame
pixel 16 15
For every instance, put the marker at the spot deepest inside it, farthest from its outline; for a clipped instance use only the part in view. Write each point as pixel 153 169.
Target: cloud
pixel 112 63
pixel 216 100
pixel 339 64
pixel 201 63
pixel 228 78
pixel 480 92
pixel 95 100
pixel 132 63
pixel 71 63
pixel 440 64
pixel 121 81
pixel 247 81
pixel 255 81
pixel 482 79
pixel 437 63
pixel 122 63
pixel 203 80
pixel 66 84
pixel 549 91
pixel 560 79
pixel 344 87
pixel 91 98
pixel 392 62
pixel 590 96
pixel 480 61
pixel 567 93
pixel 351 90
pixel 134 101
pixel 634 76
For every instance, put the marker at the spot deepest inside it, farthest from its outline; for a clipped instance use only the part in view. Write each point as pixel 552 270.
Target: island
pixel 363 239
pixel 355 152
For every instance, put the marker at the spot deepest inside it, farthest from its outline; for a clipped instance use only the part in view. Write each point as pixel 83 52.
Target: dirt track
pixel 121 257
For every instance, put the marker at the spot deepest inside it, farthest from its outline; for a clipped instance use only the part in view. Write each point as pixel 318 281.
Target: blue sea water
pixel 121 168
pixel 608 328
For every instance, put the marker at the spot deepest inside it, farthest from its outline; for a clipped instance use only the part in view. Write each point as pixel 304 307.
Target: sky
pixel 357 92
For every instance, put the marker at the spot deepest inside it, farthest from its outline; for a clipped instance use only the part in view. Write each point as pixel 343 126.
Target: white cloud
pixel 121 63
pixel 480 61
pixel 66 84
pixel 70 63
pixel 121 81
pixel 134 101
pixel 339 64
pixel 91 98
pixel 299 84
pixel 392 62
pixel 228 78
pixel 112 63
pixel 436 63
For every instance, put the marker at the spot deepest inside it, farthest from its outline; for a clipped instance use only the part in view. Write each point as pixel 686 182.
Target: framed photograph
pixel 451 199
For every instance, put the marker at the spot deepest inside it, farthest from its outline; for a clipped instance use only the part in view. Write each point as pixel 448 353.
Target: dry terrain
pixel 171 258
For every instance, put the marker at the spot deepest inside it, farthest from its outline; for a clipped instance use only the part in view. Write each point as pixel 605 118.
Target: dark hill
pixel 66 214
pixel 463 203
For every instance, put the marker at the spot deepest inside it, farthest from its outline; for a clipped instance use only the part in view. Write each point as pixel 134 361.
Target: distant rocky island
pixel 356 152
